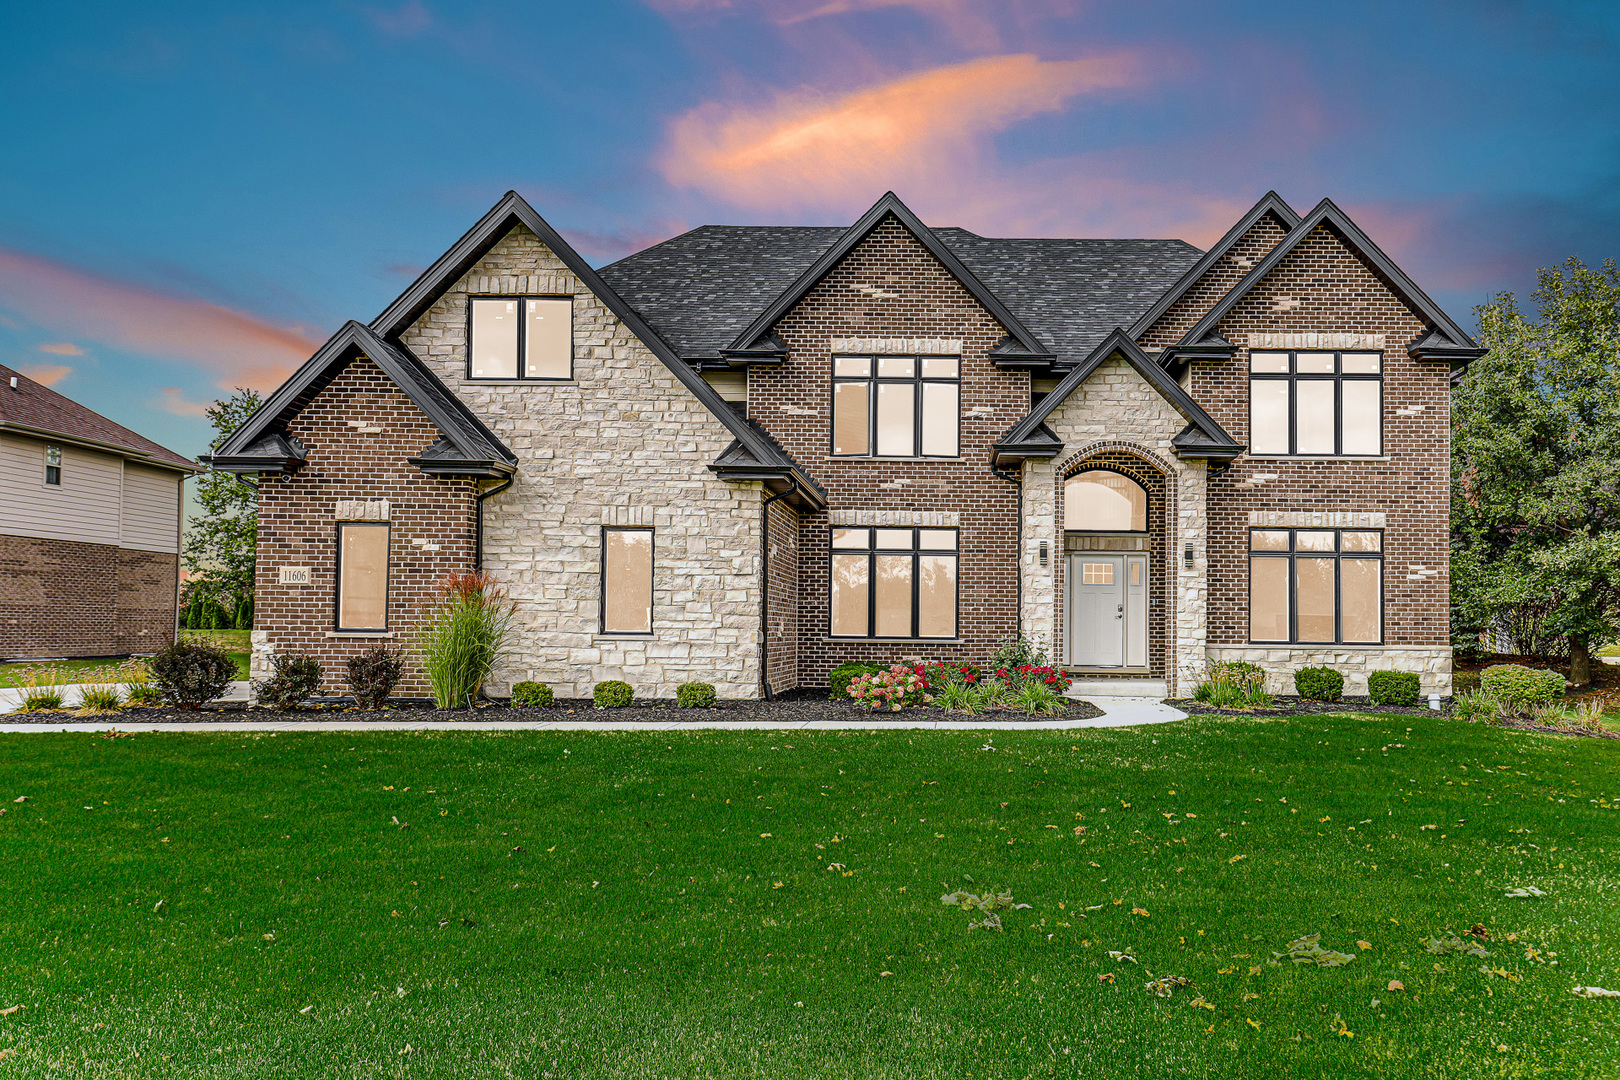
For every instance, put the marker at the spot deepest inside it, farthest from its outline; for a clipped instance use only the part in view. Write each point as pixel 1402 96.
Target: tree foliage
pixel 1535 503
pixel 222 541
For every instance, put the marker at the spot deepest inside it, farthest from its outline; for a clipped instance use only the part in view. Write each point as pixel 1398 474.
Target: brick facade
pixel 359 432
pixel 889 286
pixel 61 598
pixel 1322 287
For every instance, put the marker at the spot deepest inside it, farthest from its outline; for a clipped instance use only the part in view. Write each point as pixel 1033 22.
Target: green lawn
pixel 767 904
pixel 234 642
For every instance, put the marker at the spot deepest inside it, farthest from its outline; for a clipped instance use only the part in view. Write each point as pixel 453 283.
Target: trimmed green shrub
pixel 839 678
pixel 532 695
pixel 144 695
pixel 612 694
pixel 292 679
pixel 1518 688
pixel 1234 684
pixel 694 695
pixel 101 699
pixel 466 632
pixel 372 675
pixel 1319 684
pixel 190 674
pixel 1039 698
pixel 1394 687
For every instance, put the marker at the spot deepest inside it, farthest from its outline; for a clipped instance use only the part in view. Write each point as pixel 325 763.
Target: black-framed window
pixel 893 583
pixel 362 576
pixel 520 337
pixel 1316 404
pixel 897 406
pixel 1316 586
pixel 53 466
pixel 1101 500
pixel 627 580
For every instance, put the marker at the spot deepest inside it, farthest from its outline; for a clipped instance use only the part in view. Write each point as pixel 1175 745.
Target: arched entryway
pixel 1115 504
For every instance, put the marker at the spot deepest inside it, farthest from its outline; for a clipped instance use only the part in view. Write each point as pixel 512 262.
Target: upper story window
pixel 896 406
pixel 520 337
pixel 1102 501
pixel 1326 404
pixel 53 466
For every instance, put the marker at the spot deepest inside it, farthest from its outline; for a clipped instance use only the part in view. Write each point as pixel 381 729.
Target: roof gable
pixel 467 447
pixel 513 210
pixel 1451 339
pixel 34 408
pixel 1021 344
pixel 1201 438
pixel 1270 205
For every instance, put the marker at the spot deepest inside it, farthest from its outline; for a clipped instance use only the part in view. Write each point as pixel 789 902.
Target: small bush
pixel 292 679
pixel 1518 688
pixel 1547 714
pixel 1234 684
pixel 143 696
pixel 893 689
pixel 190 674
pixel 101 699
pixel 613 694
pixel 1475 707
pixel 989 694
pixel 1017 651
pixel 1587 714
pixel 957 697
pixel 838 679
pixel 532 695
pixel 694 695
pixel 943 673
pixel 1038 698
pixel 1319 684
pixel 41 699
pixel 372 675
pixel 1016 677
pixel 1394 687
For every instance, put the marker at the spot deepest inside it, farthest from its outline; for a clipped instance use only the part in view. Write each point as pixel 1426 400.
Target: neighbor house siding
pixel 83 509
pixel 621 443
pixel 151 508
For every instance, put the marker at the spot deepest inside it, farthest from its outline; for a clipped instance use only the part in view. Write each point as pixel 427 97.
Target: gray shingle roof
pixel 702 288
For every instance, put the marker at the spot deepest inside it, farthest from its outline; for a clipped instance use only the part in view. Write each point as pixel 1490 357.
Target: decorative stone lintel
pixel 361 510
pixel 899 346
pixel 928 519
pixel 1315 341
pixel 1314 519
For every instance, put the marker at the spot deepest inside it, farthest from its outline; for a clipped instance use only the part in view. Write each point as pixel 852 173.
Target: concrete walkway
pixel 1118 712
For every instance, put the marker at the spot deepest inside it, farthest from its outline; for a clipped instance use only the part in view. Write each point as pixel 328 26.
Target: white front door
pixel 1107 610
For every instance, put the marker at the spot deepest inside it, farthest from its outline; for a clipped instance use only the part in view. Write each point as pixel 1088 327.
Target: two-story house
pixel 89 529
pixel 751 453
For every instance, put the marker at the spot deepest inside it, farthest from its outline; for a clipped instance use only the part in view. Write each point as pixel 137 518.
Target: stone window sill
pixel 919 642
pixel 1316 457
pixel 623 637
pixel 521 382
pixel 1308 645
pixel 360 633
pixel 887 460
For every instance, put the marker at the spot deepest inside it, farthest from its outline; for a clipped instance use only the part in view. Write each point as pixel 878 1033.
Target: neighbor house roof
pixel 704 288
pixel 32 408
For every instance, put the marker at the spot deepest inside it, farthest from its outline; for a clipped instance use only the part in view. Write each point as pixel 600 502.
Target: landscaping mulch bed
pixel 795 709
pixel 1297 706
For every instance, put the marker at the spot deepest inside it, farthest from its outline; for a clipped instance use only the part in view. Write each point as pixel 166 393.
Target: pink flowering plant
pixel 894 689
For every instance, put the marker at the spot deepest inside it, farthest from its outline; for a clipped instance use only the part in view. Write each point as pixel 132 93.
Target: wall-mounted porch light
pixel 1043 552
pixel 1187 559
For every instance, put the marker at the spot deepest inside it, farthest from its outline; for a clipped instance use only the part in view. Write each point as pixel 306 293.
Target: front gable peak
pixel 757 343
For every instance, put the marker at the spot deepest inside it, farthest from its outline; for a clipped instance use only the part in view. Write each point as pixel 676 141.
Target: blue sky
pixel 193 196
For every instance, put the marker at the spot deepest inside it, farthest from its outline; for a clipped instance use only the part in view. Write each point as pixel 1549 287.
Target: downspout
pixel 765 585
pixel 478 524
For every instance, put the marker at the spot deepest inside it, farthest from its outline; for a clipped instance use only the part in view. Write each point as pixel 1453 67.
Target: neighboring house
pixel 89 529
pixel 749 454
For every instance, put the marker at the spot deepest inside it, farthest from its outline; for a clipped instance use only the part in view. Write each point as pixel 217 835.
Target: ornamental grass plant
pixel 467 630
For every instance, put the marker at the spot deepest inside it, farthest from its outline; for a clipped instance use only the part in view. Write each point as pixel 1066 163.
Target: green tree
pixel 1536 462
pixel 223 540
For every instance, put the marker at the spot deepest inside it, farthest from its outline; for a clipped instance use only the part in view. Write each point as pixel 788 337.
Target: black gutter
pixel 765 585
pixel 478 526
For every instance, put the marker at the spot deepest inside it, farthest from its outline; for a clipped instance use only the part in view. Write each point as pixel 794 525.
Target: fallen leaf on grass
pixel 1363 944
pixel 1309 950
pixel 1451 943
pixel 1500 973
pixel 884 974
pixel 305 1010
pixel 20 798
pixel 1525 891
pixel 764 836
pixel 1199 1003
pixel 1107 977
pixel 1252 1022
pixel 1168 985
pixel 7 1053
pixel 1396 984
pixel 1251 997
pixel 9 1011
pixel 1235 858
pixel 1139 911
pixel 1595 992
pixel 1340 1028
pixel 1116 957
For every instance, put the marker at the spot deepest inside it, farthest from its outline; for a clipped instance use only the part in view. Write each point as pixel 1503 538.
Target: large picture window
pixel 520 337
pixel 1101 501
pixel 1312 586
pixel 894 583
pixel 362 601
pixel 627 581
pixel 896 406
pixel 1325 404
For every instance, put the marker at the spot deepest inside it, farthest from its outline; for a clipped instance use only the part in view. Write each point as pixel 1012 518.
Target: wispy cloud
pixel 61 348
pixel 235 348
pixel 47 374
pixel 174 401
pixel 978 22
pixel 817 151
pixel 413 18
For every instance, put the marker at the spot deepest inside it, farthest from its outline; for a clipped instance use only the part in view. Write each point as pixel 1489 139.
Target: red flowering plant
pixel 942 673
pixel 1015 677
pixel 900 686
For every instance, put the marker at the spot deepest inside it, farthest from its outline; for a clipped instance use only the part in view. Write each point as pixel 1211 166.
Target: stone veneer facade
pixel 621 443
